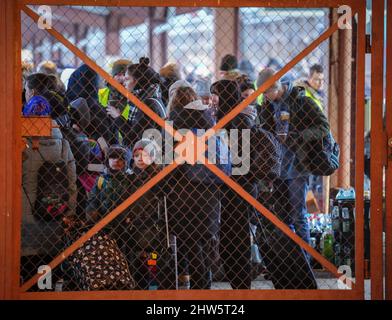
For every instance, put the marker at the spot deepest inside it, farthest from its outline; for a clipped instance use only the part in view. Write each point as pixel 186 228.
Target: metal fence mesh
pixel 191 230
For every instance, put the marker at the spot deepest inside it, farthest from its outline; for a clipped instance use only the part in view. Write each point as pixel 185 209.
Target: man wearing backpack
pixel 313 85
pixel 295 119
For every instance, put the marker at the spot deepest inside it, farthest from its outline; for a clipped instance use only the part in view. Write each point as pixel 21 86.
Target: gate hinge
pixel 368 45
pixel 389 151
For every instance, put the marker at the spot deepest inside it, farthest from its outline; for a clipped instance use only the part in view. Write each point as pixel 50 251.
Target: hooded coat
pixel 83 83
pixel 193 202
pixel 80 115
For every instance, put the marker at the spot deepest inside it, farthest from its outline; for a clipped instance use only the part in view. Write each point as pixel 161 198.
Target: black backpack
pixel 52 189
pixel 321 157
pixel 267 158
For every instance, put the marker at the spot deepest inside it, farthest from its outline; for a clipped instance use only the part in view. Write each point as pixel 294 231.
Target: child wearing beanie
pixel 111 188
pixel 144 226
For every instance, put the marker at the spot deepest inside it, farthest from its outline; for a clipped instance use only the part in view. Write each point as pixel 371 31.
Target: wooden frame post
pixel 388 181
pixel 10 155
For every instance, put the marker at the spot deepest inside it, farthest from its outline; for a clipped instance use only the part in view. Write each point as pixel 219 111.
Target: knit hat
pixel 172 90
pixel 120 66
pixel 149 146
pixel 229 62
pixel 37 106
pixel 79 112
pixel 202 87
pixel 170 70
pixel 117 151
pixel 144 74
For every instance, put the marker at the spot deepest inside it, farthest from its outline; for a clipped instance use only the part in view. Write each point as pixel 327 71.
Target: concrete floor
pixel 324 281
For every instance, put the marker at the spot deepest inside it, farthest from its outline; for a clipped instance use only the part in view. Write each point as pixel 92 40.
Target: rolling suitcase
pixel 286 261
pixel 152 254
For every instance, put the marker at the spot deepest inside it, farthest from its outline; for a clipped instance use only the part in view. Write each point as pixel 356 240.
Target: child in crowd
pixel 112 187
pixel 145 225
pixel 139 230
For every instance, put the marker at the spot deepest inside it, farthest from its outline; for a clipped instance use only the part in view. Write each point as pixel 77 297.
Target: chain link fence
pixel 190 229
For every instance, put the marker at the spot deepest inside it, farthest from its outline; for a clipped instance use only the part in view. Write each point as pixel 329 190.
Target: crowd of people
pixel 99 155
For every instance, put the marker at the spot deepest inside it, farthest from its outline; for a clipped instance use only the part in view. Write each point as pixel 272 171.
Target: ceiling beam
pixel 79 16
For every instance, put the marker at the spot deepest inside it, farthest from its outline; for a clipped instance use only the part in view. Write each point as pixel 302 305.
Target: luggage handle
pixel 171 244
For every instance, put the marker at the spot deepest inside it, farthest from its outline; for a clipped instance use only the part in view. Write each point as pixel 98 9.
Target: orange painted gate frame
pixel 355 293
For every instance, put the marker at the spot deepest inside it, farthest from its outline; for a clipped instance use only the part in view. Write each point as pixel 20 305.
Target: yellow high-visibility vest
pixel 260 98
pixel 103 99
pixel 309 94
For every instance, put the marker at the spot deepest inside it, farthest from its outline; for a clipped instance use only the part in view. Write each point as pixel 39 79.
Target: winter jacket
pixel 242 126
pixel 37 105
pixel 193 206
pixel 48 102
pixel 39 237
pixel 145 221
pixel 81 149
pixel 235 211
pixel 138 222
pixel 307 122
pixel 132 129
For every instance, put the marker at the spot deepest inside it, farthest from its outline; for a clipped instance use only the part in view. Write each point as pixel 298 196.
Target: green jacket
pixel 142 219
pixel 109 192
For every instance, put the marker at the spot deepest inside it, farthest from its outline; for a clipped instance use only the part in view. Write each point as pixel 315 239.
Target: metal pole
pixel 376 151
pixel 344 106
pixel 388 181
pixel 359 152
